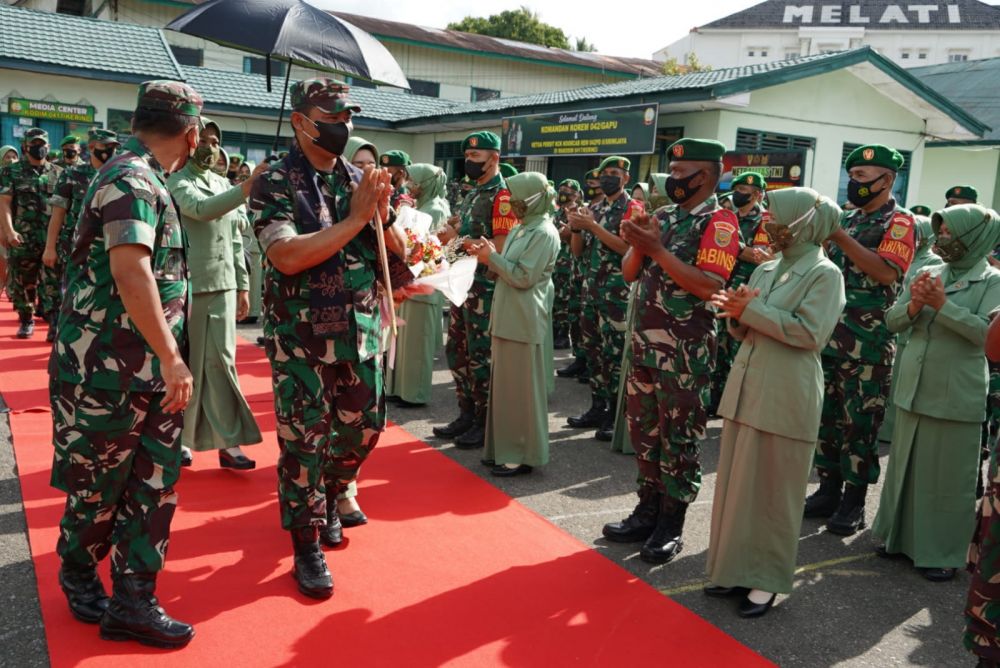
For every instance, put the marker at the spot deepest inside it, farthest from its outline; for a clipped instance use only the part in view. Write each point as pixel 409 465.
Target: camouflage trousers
pixel 611 324
pixel 468 348
pixel 724 356
pixel 563 317
pixel 329 418
pixel 666 420
pixel 853 409
pixel 25 276
pixel 117 456
pixel 991 427
pixel 982 606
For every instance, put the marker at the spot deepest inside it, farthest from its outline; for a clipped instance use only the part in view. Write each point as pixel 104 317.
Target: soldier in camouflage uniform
pixel 70 153
pixel 747 199
pixel 67 203
pixel 680 256
pixel 25 189
pixel 119 383
pixel 586 313
pixel 609 291
pixel 396 162
pixel 565 323
pixel 321 317
pixel 874 249
pixel 485 212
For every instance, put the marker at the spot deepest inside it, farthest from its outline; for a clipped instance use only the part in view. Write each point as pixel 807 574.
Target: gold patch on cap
pixel 868 153
pixel 385 160
pixel 473 141
pixel 956 191
pixel 678 151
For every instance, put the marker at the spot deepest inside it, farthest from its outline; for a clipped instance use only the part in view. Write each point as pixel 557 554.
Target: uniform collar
pixel 710 204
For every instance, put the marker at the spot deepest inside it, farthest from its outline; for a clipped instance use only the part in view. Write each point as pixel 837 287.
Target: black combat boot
pixel 593 417
pixel 332 534
pixel 560 338
pixel 84 592
pixel 824 501
pixel 27 328
pixel 665 542
pixel 135 614
pixel 574 369
pixel 52 319
pixel 456 427
pixel 310 569
pixel 850 516
pixel 640 524
pixel 475 437
pixel 606 432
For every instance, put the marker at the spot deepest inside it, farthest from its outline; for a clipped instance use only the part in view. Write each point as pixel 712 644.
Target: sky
pixel 634 32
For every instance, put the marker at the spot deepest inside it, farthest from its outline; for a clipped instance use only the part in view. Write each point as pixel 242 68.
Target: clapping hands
pixel 927 291
pixel 642 233
pixel 732 302
pixel 481 248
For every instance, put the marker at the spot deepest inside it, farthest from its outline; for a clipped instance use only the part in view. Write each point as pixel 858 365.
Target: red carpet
pixel 450 571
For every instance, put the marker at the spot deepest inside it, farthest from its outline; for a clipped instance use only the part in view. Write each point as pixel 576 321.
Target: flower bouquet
pixel 444 267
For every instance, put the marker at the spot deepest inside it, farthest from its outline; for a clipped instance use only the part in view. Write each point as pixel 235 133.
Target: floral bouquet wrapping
pixel 444 267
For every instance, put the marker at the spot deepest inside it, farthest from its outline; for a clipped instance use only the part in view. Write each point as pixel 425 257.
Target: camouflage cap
pixel 102 136
pixel 508 170
pixel 920 210
pixel 327 95
pixel 963 192
pixel 702 150
pixel 483 141
pixel 172 97
pixel 616 161
pixel 69 139
pixel 876 155
pixel 396 159
pixel 34 134
pixel 754 179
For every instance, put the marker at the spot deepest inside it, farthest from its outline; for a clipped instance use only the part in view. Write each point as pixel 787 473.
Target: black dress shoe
pixel 938 574
pixel 456 427
pixel 237 462
pixel 187 459
pixel 353 519
pixel 472 439
pixel 724 592
pixel 135 614
pixel 488 462
pixel 502 471
pixel 310 570
pixel 84 593
pixel 883 553
pixel 750 609
pixel 403 403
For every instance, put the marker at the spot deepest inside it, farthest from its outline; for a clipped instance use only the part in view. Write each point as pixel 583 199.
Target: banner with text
pixel 781 169
pixel 53 111
pixel 627 130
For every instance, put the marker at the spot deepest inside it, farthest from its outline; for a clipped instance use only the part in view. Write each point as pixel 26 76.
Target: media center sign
pixel 53 111
pixel 626 130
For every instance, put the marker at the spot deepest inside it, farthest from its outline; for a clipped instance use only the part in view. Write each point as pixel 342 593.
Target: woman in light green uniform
pixel 251 251
pixel 772 402
pixel 422 336
pixel 218 416
pixel 928 505
pixel 517 416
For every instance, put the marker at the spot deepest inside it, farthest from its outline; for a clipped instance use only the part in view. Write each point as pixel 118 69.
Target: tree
pixel 671 67
pixel 521 24
pixel 581 44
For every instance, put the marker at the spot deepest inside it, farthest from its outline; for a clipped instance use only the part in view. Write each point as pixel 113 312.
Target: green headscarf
pixel 534 190
pixel 433 185
pixel 355 144
pixel 925 232
pixel 976 226
pixel 4 149
pixel 643 187
pixel 660 199
pixel 815 218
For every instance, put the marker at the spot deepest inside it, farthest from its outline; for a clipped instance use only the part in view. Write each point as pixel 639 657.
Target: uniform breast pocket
pixel 169 261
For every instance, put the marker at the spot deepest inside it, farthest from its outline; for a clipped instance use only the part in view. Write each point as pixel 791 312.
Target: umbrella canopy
pixel 293 31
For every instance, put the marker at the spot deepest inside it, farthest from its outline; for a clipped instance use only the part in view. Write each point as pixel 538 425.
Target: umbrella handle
pixel 384 258
pixel 281 114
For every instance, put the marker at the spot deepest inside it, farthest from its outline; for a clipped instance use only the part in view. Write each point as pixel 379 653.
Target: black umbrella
pixel 295 32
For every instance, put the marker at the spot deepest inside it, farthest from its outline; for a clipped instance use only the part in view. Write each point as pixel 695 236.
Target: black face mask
pixel 38 151
pixel 860 194
pixel 680 190
pixel 70 155
pixel 474 170
pixel 103 154
pixel 740 200
pixel 332 136
pixel 564 198
pixel 592 193
pixel 610 184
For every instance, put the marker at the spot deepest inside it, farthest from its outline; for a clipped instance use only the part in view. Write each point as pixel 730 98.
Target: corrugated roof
pixel 249 91
pixel 58 40
pixel 971 84
pixel 505 47
pixel 867 14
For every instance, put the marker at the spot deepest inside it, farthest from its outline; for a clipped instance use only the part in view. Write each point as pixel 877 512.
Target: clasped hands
pixel 480 248
pixel 372 195
pixel 642 233
pixel 927 291
pixel 731 302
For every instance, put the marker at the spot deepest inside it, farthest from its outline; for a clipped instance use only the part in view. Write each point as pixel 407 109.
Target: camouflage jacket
pixel 564 261
pixel 861 333
pixel 97 344
pixel 31 189
pixel 605 265
pixel 71 187
pixel 751 234
pixel 287 323
pixel 675 331
pixel 485 212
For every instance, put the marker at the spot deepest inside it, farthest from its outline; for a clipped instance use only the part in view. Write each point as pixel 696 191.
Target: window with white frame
pixel 757 51
pixel 922 54
pixel 904 54
pixel 957 56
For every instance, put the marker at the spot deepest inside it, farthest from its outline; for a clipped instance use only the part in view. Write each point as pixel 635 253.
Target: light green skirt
pixel 517 417
pixel 256 275
pixel 218 415
pixel 419 340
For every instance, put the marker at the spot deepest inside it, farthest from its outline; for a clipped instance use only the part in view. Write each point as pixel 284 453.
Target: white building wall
pixel 950 166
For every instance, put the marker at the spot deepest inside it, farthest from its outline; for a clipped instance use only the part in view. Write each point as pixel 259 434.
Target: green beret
pixel 327 95
pixel 53 155
pixel 704 150
pixel 508 170
pixel 570 183
pixel 592 175
pixel 396 159
pixel 876 155
pixel 238 157
pixel 172 97
pixel 34 134
pixel 962 192
pixel 920 210
pixel 69 139
pixel 750 179
pixel 615 161
pixel 102 136
pixel 484 141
